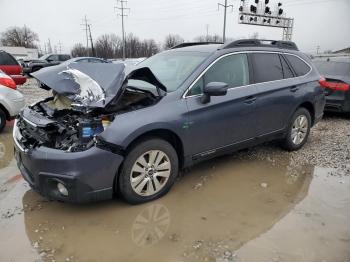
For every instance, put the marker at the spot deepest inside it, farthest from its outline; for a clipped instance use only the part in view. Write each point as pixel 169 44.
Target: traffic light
pixel 253 9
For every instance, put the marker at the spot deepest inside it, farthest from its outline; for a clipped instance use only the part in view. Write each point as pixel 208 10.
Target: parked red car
pixel 10 66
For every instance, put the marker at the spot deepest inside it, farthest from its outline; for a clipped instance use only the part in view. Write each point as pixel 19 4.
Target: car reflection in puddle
pixel 211 210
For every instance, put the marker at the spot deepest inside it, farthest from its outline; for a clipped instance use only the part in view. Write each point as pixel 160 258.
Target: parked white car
pixel 11 101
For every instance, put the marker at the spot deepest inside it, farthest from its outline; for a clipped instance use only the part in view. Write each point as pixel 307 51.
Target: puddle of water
pixel 226 209
pixel 218 206
pixel 318 228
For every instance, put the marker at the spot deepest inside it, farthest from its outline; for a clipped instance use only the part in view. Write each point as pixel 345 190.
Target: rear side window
pixel 267 67
pixel 232 70
pixel 287 72
pixel 6 59
pixel 299 66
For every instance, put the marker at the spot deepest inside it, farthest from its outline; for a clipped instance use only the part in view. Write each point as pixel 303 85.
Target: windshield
pixel 333 68
pixel 44 57
pixel 173 68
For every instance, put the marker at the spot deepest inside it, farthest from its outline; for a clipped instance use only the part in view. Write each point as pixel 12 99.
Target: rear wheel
pixel 298 130
pixel 149 171
pixel 2 120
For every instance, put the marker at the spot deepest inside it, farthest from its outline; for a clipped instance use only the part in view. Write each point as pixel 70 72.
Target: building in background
pixel 20 52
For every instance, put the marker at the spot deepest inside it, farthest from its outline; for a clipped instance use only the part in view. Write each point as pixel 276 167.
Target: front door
pixel 225 120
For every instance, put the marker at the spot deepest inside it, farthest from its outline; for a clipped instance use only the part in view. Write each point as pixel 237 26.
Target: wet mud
pixel 226 209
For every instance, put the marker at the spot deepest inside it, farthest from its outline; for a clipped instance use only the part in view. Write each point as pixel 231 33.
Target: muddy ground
pixel 261 204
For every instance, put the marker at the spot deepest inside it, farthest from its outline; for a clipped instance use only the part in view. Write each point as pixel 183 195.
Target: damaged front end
pixel 86 99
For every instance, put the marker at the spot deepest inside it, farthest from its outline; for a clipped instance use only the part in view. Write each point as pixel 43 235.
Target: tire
pixel 298 130
pixel 153 165
pixel 2 120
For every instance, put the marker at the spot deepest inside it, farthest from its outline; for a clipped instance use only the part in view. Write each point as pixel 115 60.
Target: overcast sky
pixel 317 22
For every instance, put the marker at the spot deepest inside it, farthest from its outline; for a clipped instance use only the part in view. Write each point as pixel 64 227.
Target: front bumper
pixel 88 175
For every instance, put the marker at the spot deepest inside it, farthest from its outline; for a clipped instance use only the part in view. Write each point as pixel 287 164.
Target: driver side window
pixel 232 70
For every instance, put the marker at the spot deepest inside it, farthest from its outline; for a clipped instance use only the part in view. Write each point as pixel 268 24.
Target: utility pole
pixel 85 28
pixel 92 42
pixel 122 14
pixel 49 47
pixel 207 27
pixel 59 47
pixel 225 6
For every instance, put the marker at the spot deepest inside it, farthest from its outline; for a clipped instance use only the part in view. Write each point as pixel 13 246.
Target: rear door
pixel 225 120
pixel 277 94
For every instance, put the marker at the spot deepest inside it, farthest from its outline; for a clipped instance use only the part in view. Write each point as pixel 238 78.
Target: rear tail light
pixel 336 86
pixel 7 81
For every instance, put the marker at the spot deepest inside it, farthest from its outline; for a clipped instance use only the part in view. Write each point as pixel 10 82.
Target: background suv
pixel 10 66
pixel 45 61
pixel 11 101
pixel 132 133
pixel 336 73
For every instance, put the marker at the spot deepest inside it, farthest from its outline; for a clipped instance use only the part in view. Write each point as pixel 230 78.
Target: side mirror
pixel 213 89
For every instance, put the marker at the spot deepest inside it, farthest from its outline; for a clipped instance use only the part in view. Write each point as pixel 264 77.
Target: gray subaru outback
pixel 106 130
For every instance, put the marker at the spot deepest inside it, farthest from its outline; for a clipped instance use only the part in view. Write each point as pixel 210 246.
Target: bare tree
pixel 79 50
pixel 106 45
pixel 19 36
pixel 172 40
pixel 209 38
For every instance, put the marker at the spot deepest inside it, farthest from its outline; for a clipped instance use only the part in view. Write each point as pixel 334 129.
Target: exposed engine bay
pixel 62 122
pixel 62 127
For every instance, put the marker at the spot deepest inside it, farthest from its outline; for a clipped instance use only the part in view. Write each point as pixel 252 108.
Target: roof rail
pixel 261 43
pixel 194 43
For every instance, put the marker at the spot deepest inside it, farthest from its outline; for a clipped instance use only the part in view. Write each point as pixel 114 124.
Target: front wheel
pixel 148 172
pixel 298 130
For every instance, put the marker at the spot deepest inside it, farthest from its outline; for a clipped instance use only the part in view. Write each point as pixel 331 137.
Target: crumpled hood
pixel 92 84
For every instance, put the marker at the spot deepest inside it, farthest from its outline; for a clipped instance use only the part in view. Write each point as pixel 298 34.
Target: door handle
pixel 250 100
pixel 294 89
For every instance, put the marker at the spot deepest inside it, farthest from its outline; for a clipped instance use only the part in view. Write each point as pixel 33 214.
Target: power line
pixel 122 14
pixel 225 6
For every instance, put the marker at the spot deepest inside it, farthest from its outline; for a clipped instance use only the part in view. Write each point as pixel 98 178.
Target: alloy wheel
pixel 299 129
pixel 150 173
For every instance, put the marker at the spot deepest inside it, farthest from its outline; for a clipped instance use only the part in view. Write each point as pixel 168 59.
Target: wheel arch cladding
pixel 309 107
